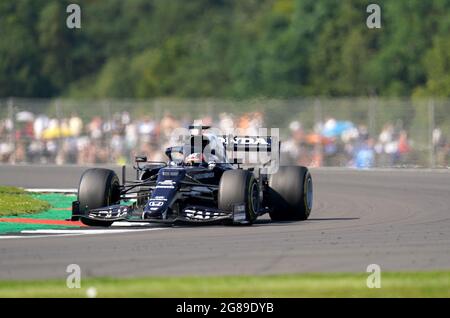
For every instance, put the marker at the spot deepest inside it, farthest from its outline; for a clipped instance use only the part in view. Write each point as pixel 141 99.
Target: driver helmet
pixel 195 158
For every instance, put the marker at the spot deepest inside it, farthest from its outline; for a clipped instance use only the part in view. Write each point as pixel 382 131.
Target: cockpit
pixel 204 148
pixel 199 150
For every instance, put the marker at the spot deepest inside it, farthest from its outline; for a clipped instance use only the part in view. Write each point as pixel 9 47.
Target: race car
pixel 198 184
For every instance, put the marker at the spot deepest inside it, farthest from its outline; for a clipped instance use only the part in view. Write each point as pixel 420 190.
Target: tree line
pixel 224 48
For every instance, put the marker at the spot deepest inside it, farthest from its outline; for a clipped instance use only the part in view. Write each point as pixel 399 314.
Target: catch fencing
pixel 318 132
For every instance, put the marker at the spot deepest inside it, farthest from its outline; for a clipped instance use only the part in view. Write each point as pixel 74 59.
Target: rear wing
pixel 248 143
pixel 240 143
pixel 257 150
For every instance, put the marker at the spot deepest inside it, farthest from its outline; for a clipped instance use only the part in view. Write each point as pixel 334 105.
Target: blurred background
pixel 343 95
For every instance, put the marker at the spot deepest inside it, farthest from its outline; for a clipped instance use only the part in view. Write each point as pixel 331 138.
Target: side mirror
pixel 169 153
pixel 141 159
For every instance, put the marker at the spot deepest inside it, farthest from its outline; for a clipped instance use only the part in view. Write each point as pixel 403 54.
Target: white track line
pixel 50 190
pixel 65 233
pixel 128 224
pixel 5 237
pixel 88 232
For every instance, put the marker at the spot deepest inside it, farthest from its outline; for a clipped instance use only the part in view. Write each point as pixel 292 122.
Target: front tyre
pixel 239 187
pixel 98 188
pixel 290 194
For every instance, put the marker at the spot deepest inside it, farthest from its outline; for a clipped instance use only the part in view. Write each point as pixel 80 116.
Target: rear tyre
pixel 98 188
pixel 239 187
pixel 290 194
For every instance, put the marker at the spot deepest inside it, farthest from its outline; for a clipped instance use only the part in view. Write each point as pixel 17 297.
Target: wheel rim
pixel 254 197
pixel 309 193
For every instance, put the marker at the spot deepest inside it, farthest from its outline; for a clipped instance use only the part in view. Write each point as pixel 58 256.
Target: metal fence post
pixel 431 125
pixel 157 110
pixel 318 148
pixel 371 113
pixel 59 141
pixel 12 134
pixel 107 125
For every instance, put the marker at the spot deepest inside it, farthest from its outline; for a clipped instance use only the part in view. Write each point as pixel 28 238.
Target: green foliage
pixel 219 48
pixel 437 67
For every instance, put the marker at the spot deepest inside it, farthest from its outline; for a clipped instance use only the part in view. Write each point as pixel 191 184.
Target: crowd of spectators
pixel 39 139
pixel 343 144
pixel 36 138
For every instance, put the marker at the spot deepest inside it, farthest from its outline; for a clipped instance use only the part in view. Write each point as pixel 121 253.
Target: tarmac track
pixel 397 219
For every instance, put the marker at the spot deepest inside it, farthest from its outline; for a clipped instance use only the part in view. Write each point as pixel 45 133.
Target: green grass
pixel 11 190
pixel 405 284
pixel 15 201
pixel 57 205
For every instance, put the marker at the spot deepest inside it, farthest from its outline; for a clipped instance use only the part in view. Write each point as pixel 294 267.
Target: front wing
pixel 190 214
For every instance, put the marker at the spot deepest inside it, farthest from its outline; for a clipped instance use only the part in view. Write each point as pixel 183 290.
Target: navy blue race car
pixel 198 184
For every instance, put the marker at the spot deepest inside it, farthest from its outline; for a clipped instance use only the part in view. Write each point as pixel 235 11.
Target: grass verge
pixel 404 284
pixel 15 201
